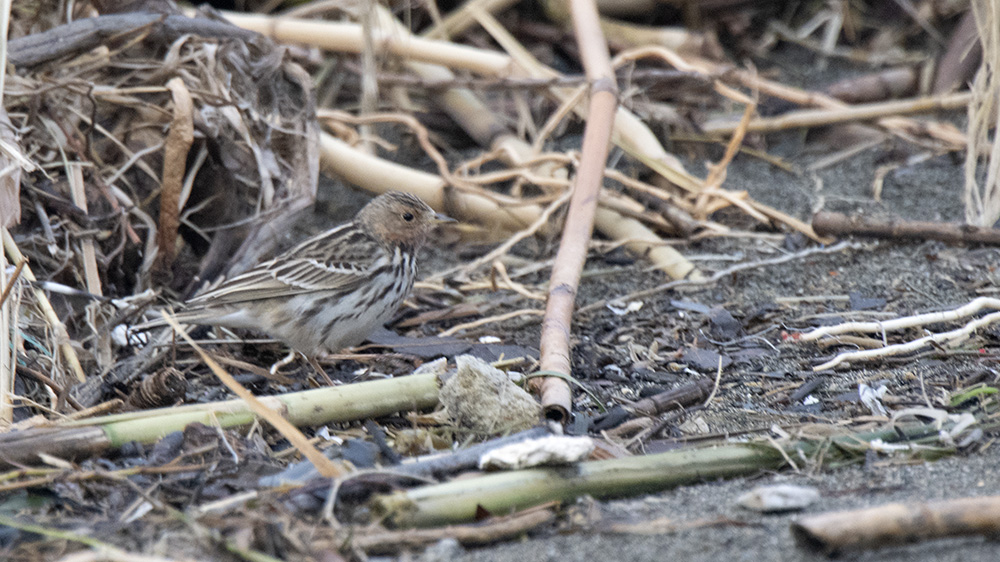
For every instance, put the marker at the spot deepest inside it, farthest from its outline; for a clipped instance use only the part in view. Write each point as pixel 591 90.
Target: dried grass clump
pixel 162 153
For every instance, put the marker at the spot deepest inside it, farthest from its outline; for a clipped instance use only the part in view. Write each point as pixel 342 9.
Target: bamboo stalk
pixel 337 404
pixel 459 500
pixel 379 175
pixel 832 115
pixel 896 523
pixel 579 225
pixel 74 176
pixel 499 493
pixel 349 38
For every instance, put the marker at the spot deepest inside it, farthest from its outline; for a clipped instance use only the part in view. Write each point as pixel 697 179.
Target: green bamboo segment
pixel 501 493
pixel 310 407
pixel 505 492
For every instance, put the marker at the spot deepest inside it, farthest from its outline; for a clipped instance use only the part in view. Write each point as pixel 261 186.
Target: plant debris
pixel 634 300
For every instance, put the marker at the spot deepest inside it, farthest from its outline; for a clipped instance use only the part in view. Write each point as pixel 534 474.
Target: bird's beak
pixel 442 219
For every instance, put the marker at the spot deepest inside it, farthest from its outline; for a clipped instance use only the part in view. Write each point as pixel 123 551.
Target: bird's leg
pixel 283 361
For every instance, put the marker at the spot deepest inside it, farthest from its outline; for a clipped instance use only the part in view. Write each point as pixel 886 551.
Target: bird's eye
pixel 407 217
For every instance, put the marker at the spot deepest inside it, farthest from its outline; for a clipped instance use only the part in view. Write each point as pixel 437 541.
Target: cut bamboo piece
pixel 464 500
pixel 897 523
pixel 307 408
pixel 846 114
pixel 644 242
pixel 460 500
pixel 579 225
pixel 378 175
pixel 349 38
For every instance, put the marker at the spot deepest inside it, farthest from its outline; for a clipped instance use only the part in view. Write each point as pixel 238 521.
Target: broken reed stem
pixel 897 523
pixel 59 333
pixel 829 116
pixel 935 340
pixel 838 224
pixel 579 225
pixel 462 500
pixel 74 176
pixel 965 311
pixel 463 17
pixel 458 500
pixel 493 530
pixel 349 38
pixel 320 406
pixel 378 175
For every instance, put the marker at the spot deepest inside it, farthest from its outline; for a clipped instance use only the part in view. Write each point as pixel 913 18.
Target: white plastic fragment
pixel 555 450
pixel 880 446
pixel 324 434
pixel 490 339
pixel 872 398
pixel 779 497
pixel 122 337
pixel 621 309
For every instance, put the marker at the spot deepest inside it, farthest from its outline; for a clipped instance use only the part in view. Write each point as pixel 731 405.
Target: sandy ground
pixel 912 277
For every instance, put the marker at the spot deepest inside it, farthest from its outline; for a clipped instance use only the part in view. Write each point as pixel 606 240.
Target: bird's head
pixel 399 219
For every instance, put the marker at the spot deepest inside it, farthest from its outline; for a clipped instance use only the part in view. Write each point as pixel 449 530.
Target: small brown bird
pixel 332 290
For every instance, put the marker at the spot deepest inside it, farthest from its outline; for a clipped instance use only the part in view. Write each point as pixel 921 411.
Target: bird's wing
pixel 339 260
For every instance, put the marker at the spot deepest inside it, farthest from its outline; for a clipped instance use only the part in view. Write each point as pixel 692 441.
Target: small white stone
pixel 779 497
pixel 555 450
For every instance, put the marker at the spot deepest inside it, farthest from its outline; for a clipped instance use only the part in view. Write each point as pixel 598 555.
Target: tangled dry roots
pixel 97 105
pixel 108 108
